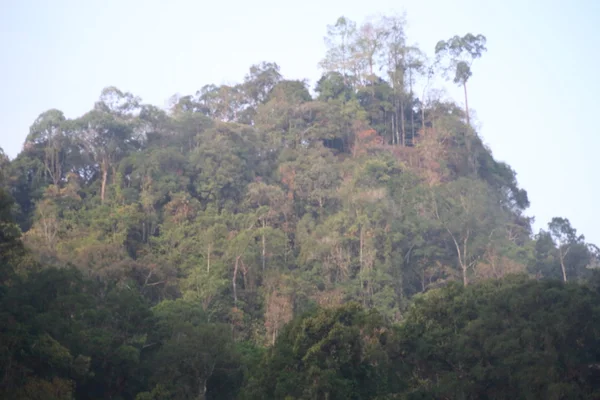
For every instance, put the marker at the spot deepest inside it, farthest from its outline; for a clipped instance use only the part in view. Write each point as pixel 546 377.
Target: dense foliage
pixel 263 241
pixel 502 339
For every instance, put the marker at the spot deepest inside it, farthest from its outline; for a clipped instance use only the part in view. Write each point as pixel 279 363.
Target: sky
pixel 534 93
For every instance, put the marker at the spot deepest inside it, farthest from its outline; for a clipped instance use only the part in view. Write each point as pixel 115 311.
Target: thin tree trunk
pixel 393 128
pixel 423 110
pixel 233 283
pixel 104 180
pixel 465 265
pixel 264 250
pixel 467 104
pixel 53 165
pixel 208 258
pixel 403 139
pixel 412 114
pixel 361 262
pixel 245 275
pixel 562 262
pixel 461 260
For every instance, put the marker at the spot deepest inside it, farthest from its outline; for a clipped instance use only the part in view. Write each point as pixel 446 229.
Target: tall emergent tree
pixel 457 55
pixel 566 238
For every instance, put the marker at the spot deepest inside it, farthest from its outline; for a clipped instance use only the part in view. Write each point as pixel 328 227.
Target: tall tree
pixel 47 134
pixel 458 54
pixel 415 65
pixel 467 213
pixel 119 103
pixel 370 41
pixel 341 42
pixel 565 237
pixel 269 202
pixel 394 60
pixel 105 139
pixel 258 84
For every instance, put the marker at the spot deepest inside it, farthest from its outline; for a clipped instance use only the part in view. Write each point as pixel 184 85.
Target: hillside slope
pixel 260 201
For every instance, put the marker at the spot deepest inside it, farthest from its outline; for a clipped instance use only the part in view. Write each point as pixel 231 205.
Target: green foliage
pixel 500 339
pixel 461 51
pixel 150 254
pixel 504 339
pixel 335 354
pixel 195 356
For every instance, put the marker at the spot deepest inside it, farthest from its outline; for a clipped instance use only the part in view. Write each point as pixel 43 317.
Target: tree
pixel 331 354
pixel 114 101
pixel 164 252
pixel 258 84
pixel 415 65
pixel 105 139
pixel 4 162
pixel 369 43
pixel 278 302
pixel 223 164
pixel 11 248
pixel 465 210
pixel 46 134
pixel 224 103
pixel 502 339
pixel 396 66
pixel 269 201
pixel 193 351
pixel 340 41
pixel 284 119
pixel 459 53
pixel 565 237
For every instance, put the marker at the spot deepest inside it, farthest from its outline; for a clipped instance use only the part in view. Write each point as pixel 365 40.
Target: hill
pixel 245 206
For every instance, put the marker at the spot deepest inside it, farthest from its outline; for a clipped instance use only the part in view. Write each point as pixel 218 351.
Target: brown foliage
pixel 496 266
pixel 364 140
pixel 278 313
pixel 288 178
pixel 329 298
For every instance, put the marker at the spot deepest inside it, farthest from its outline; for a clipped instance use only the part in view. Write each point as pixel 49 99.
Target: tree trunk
pixel 393 127
pixel 264 245
pixel 467 104
pixel 361 263
pixel 104 180
pixel 423 109
pixel 403 138
pixel 208 258
pixel 461 258
pixel 235 271
pixel 412 114
pixel 53 165
pixel 361 239
pixel 562 266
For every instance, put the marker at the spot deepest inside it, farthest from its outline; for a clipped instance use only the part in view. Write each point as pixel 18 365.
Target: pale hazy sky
pixel 534 92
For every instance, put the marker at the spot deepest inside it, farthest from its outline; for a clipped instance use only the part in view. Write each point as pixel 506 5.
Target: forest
pixel 270 240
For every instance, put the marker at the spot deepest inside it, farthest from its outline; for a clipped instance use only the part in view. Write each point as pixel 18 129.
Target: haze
pixel 533 92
